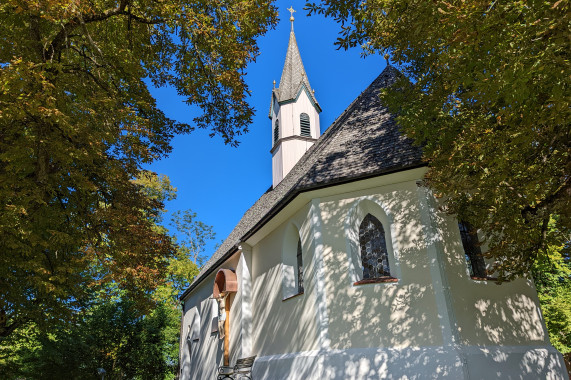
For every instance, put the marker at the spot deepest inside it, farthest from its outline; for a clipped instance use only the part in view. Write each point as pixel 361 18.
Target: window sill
pixel 487 278
pixel 290 297
pixel 378 280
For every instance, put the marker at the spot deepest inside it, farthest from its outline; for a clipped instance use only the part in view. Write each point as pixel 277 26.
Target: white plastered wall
pixel 400 314
pixel 435 322
pixel 200 359
pixel 500 327
pixel 381 330
pixel 282 326
pixel 409 329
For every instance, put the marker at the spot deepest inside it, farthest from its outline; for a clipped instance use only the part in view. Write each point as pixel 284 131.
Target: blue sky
pixel 220 182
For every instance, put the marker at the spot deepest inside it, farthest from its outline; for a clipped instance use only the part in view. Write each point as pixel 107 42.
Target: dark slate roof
pixel 293 74
pixel 361 143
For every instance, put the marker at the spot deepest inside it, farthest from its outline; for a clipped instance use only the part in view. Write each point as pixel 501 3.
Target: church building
pixel 345 269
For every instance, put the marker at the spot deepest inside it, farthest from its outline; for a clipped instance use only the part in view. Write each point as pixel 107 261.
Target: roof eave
pixel 311 97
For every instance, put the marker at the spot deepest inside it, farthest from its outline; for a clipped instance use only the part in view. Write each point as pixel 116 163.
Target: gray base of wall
pixel 516 362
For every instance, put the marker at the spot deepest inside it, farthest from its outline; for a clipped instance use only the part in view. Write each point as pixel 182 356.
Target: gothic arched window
pixel 472 251
pixel 374 255
pixel 304 124
pixel 299 268
pixel 276 131
pixel 292 264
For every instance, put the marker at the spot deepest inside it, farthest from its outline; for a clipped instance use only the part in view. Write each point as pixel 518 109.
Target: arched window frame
pixel 304 125
pixel 361 207
pixel 292 263
pixel 373 249
pixel 276 131
pixel 299 258
pixel 475 263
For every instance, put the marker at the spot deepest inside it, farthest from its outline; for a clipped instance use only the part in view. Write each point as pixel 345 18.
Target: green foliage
pixel 185 264
pixel 109 331
pixel 552 274
pixel 112 335
pixel 194 234
pixel 77 122
pixel 489 101
pixel 17 350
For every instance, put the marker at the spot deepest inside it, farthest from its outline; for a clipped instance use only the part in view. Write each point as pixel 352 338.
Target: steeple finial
pixel 291 10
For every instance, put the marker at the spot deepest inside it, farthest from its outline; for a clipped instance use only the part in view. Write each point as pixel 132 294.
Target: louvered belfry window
pixel 305 125
pixel 276 131
pixel 299 268
pixel 374 255
pixel 472 251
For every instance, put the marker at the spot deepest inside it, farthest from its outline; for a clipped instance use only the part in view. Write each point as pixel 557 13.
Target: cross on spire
pixel 291 10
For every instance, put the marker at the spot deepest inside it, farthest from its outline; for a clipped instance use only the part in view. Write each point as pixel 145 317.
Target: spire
pixel 293 74
pixel 294 113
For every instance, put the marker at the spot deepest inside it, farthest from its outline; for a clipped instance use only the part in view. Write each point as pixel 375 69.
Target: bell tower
pixel 294 113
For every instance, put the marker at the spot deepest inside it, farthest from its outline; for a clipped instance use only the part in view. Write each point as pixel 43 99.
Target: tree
pixel 110 332
pixel 488 99
pixel 552 275
pixel 111 335
pixel 77 121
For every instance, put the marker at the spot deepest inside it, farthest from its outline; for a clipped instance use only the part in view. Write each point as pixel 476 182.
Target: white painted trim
pixel 290 355
pixel 320 296
pixel 468 349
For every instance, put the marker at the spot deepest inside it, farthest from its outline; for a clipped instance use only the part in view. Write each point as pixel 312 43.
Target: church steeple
pixel 294 113
pixel 293 74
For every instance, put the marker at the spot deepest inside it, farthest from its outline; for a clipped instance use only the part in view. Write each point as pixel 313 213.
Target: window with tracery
pixel 472 251
pixel 299 268
pixel 374 254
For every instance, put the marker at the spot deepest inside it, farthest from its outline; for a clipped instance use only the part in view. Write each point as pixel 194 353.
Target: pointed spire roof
pixel 293 74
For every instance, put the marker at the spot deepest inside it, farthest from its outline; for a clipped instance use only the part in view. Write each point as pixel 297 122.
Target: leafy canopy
pixel 111 332
pixel 552 275
pixel 77 121
pixel 489 100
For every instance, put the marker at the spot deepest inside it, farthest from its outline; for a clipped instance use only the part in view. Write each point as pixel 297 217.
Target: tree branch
pixel 8 328
pixel 57 41
pixel 564 191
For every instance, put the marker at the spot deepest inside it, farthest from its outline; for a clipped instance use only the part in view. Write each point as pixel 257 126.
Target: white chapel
pixel 345 269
